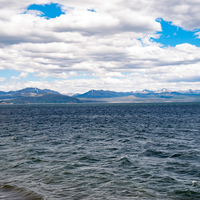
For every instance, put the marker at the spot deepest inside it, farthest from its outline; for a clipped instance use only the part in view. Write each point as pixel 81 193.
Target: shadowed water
pixel 111 151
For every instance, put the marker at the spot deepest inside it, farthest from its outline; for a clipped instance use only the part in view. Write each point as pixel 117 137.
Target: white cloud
pixel 22 75
pixel 2 79
pixel 102 45
pixel 14 77
pixel 132 83
pixel 62 75
pixel 182 13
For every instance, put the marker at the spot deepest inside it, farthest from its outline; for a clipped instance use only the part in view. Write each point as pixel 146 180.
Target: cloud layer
pixel 109 47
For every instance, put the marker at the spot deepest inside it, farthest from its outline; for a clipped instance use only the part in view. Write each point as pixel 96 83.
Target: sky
pixel 73 46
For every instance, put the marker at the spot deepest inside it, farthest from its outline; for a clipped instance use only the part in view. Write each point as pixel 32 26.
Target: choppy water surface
pixel 112 151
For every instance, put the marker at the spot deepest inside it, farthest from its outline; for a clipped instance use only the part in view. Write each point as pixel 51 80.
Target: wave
pixel 8 192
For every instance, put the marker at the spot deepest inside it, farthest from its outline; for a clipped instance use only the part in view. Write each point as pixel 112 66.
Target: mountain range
pixel 163 95
pixel 144 93
pixel 35 95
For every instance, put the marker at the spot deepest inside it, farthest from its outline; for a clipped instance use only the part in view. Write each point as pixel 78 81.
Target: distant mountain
pixel 2 93
pixel 102 94
pixel 46 98
pixel 139 96
pixel 25 92
pixel 111 94
pixel 35 95
pixel 192 91
pixel 164 90
pixel 144 91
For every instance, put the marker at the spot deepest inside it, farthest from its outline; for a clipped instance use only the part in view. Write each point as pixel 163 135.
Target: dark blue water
pixel 111 151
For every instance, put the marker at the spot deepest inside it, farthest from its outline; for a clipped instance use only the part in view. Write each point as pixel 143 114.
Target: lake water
pixel 102 151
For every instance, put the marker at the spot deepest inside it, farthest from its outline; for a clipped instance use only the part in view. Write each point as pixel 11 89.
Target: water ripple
pixel 110 151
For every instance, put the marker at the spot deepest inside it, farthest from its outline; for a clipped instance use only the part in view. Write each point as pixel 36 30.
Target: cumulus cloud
pixel 22 75
pixel 182 13
pixel 106 49
pixel 2 79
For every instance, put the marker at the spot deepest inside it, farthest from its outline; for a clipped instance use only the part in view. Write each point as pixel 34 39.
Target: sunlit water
pixel 111 151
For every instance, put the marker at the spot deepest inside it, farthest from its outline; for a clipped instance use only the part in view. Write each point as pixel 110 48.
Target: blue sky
pixel 48 11
pixel 74 46
pixel 172 35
